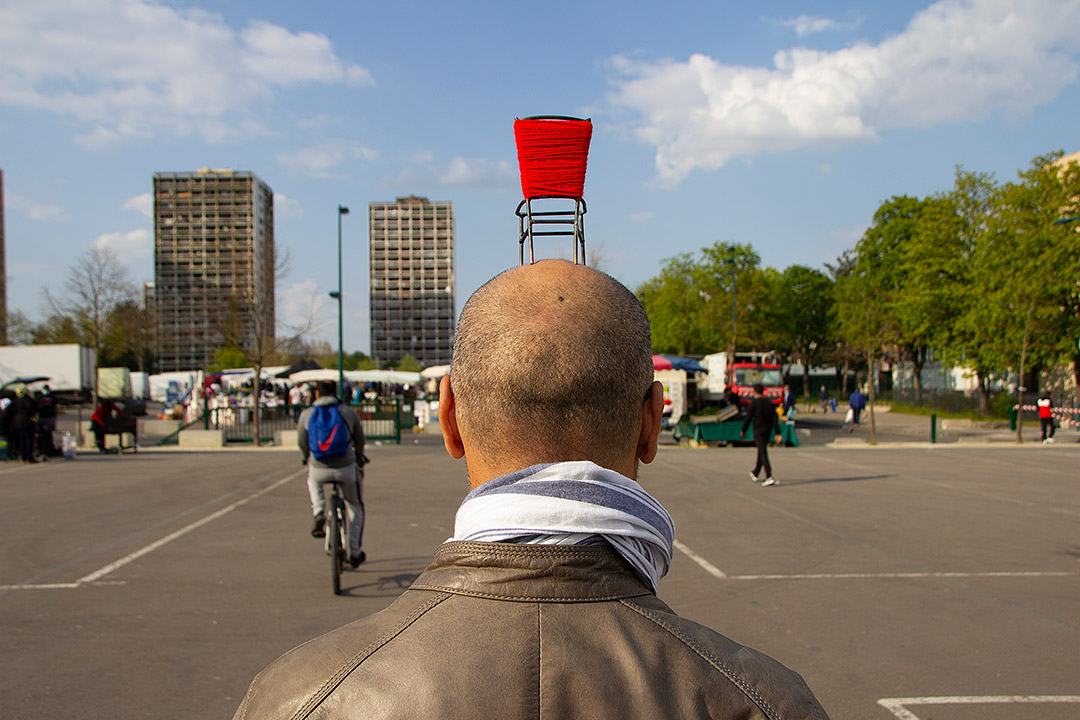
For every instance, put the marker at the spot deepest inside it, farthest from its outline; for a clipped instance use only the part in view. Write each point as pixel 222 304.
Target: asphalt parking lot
pixel 902 581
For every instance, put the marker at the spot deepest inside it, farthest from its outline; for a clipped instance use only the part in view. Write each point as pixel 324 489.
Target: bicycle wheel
pixel 333 534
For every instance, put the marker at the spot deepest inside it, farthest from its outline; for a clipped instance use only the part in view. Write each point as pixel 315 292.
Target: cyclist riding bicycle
pixel 331 441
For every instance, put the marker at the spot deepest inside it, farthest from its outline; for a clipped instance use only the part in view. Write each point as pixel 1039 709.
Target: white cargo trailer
pixel 69 368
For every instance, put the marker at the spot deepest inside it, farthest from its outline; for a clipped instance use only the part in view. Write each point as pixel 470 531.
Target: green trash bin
pixel 1012 418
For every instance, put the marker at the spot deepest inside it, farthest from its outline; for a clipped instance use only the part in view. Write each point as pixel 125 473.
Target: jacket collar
pixel 531 573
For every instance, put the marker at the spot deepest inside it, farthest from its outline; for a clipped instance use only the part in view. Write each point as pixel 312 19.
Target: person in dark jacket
pixel 762 413
pixel 857 403
pixel 46 423
pixel 543 602
pixel 25 422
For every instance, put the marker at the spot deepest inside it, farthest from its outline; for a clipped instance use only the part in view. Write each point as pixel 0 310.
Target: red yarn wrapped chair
pixel 553 152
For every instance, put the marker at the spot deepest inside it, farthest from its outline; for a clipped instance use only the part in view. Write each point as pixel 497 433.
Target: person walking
pixel 823 396
pixel 46 423
pixel 1046 418
pixel 762 413
pixel 331 440
pixel 543 603
pixel 857 403
pixel 25 422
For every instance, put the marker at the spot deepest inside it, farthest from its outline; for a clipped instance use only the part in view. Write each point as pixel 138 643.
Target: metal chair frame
pixel 528 220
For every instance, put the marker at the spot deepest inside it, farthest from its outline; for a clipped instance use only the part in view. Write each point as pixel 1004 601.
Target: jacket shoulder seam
pixel 336 679
pixel 723 668
pixel 529 598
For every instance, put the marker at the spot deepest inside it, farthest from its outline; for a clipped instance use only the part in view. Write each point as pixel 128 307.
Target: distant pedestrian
pixel 296 401
pixel 857 403
pixel 1046 418
pixel 823 396
pixel 25 422
pixel 762 413
pixel 7 426
pixel 102 420
pixel 789 400
pixel 46 423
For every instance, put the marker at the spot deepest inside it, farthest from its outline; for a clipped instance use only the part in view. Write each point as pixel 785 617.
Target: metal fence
pixel 962 402
pixel 383 419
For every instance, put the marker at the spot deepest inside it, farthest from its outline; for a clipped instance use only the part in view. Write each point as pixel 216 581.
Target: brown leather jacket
pixel 494 630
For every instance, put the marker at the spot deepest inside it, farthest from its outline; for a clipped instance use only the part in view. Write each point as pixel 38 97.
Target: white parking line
pixel 872 576
pixel 897 706
pixel 708 566
pixel 146 549
pixel 720 574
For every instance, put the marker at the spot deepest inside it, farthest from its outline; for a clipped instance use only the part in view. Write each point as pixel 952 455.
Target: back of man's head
pixel 759 389
pixel 326 388
pixel 552 362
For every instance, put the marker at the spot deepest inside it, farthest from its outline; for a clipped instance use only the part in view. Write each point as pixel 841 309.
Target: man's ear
pixel 448 420
pixel 652 410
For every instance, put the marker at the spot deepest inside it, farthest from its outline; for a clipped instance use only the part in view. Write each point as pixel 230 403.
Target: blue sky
pixel 780 124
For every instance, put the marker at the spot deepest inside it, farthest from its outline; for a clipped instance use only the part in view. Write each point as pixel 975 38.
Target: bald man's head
pixel 552 362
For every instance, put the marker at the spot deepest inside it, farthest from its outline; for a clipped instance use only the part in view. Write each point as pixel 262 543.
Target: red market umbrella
pixel 659 362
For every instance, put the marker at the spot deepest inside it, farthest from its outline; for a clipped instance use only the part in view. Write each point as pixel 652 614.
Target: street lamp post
pixel 341 210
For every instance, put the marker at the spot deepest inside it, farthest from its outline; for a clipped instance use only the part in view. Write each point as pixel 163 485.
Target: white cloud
pixel 326 159
pixel 140 203
pixel 134 68
pixel 130 247
pixel 808 24
pixel 276 56
pixel 34 211
pixel 422 157
pixel 286 207
pixel 643 216
pixel 473 173
pixel 958 60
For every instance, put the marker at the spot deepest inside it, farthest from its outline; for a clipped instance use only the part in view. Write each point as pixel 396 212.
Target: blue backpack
pixel 327 434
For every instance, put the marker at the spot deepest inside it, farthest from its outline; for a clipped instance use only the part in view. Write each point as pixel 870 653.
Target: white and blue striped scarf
pixel 571 503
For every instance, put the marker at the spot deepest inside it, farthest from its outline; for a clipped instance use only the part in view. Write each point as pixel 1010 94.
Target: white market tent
pixel 435 372
pixel 396 377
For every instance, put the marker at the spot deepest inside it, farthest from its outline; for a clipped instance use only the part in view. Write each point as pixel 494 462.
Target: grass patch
pixel 906 409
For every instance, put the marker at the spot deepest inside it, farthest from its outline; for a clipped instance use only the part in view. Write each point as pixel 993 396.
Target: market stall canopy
pixel 396 377
pixel 681 363
pixel 297 367
pixel 435 371
pixel 315 375
pixel 659 362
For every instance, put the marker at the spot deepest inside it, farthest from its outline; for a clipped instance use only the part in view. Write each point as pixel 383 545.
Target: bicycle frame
pixel 337 532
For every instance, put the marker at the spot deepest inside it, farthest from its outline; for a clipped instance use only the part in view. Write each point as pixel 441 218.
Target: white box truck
pixel 68 368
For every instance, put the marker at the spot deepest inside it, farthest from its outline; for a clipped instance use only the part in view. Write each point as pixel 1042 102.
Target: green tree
pixel 702 306
pixel 227 357
pixel 801 322
pixel 970 340
pixel 409 364
pixel 674 306
pixel 96 285
pixel 1032 270
pixel 927 304
pixel 130 337
pixel 866 311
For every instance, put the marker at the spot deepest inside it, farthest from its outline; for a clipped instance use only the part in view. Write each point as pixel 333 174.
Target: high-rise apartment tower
pixel 213 265
pixel 412 280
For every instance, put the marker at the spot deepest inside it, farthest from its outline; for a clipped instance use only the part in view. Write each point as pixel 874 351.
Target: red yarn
pixel 552 155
